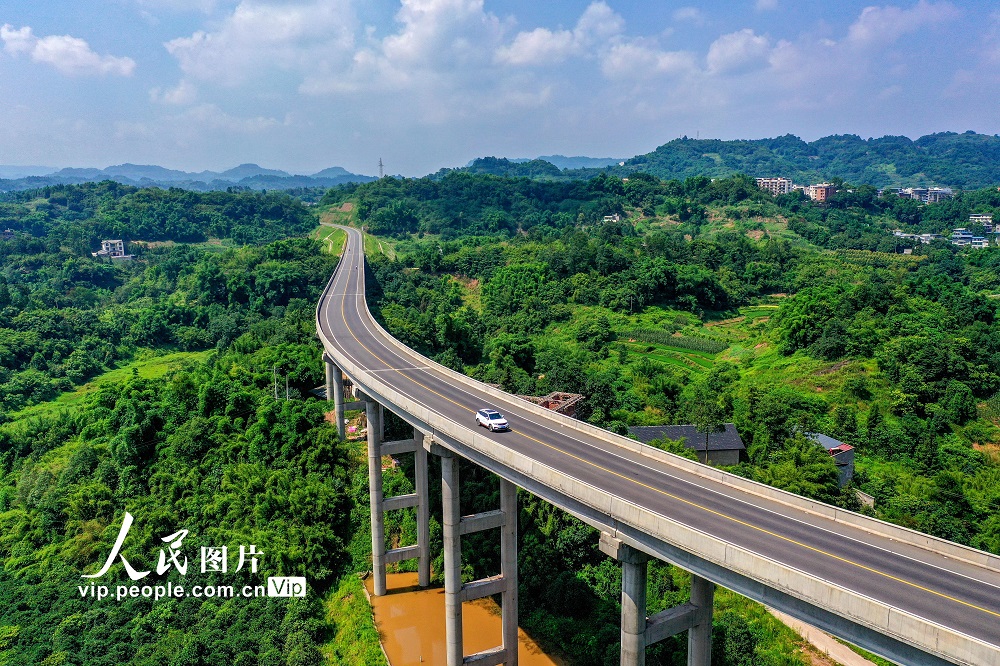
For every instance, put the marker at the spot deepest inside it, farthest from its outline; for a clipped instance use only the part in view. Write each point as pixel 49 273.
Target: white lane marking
pixel 373 334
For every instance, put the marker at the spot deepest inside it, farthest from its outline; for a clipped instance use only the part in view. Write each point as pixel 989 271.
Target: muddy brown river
pixel 410 623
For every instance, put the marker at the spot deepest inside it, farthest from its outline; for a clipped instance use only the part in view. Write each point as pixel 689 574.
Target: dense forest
pixel 157 387
pixel 946 159
pixel 78 216
pixel 67 317
pixel 185 434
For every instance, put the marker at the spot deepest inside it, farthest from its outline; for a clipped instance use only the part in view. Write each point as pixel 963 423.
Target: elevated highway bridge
pixel 909 597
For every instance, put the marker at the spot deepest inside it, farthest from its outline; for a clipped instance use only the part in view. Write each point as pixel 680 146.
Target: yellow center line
pixel 677 497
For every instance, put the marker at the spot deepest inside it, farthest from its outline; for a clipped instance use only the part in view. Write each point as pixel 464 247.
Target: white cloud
pixel 737 51
pixel 17 41
pixel 597 23
pixel 69 55
pixel 638 60
pixel 691 14
pixel 439 66
pixel 766 5
pixel 183 93
pixel 441 31
pixel 261 35
pixel 442 53
pixel 884 25
pixel 541 46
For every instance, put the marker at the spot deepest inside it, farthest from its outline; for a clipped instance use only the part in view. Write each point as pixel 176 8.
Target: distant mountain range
pixel 142 175
pixel 947 159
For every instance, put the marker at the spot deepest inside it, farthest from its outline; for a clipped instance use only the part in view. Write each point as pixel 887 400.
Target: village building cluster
pixel 823 191
pixel 777 186
pixel 961 236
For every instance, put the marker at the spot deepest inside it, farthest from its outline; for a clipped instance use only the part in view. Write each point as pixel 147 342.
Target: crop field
pixel 689 359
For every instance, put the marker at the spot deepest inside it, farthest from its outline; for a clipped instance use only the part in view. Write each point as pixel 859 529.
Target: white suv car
pixel 492 419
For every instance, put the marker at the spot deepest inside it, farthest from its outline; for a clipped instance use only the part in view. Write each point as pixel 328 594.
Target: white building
pixel 112 249
pixel 927 195
pixel 926 239
pixel 985 219
pixel 961 237
pixel 775 186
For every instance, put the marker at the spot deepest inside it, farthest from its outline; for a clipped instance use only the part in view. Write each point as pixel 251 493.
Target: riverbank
pixel 410 623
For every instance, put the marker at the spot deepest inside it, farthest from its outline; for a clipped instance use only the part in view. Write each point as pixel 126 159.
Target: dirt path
pixel 823 642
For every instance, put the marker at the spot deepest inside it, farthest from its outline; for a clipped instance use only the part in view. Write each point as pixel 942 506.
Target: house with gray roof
pixel 722 448
pixel 843 455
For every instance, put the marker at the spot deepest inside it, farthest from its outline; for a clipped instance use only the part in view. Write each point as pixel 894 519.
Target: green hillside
pixel 966 160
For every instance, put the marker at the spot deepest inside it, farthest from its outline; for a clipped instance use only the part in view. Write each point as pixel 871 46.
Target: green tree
pixel 804 468
pixel 705 410
pixel 676 447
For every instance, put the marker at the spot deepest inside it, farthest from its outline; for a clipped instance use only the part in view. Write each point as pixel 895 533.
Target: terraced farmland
pixel 695 361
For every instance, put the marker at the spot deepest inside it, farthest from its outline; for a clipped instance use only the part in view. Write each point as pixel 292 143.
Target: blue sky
pixel 306 84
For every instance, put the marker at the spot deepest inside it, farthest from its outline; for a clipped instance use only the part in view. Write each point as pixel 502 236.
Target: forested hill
pixel 966 161
pixel 537 169
pixel 79 216
pixel 947 159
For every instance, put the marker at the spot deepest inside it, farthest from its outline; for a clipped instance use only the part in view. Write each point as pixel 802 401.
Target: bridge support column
pixel 451 517
pixel 375 494
pixel 508 569
pixel 504 584
pixel 638 631
pixel 633 630
pixel 700 634
pixel 380 505
pixel 423 511
pixel 335 392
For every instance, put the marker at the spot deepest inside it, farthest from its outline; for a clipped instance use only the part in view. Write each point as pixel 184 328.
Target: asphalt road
pixel 944 590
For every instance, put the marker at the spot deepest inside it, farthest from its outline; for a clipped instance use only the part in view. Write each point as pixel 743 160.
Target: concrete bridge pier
pixel 375 498
pixel 450 519
pixel 335 392
pixel 455 592
pixel 638 630
pixel 634 570
pixel 420 499
pixel 700 632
